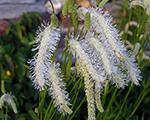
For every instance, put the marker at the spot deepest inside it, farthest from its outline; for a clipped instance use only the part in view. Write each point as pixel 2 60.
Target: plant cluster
pixel 103 68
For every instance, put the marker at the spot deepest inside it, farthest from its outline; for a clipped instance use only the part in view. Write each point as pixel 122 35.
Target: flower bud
pixel 102 3
pixel 148 11
pixel 37 110
pixel 65 9
pixel 136 49
pixel 3 87
pixel 70 6
pixel 74 15
pixel 67 109
pixel 87 21
pixel 54 21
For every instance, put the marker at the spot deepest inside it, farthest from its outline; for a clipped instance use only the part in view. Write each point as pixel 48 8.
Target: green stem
pixel 64 63
pixel 81 32
pixel 122 18
pixel 6 111
pixel 130 15
pixel 75 85
pixel 77 108
pixel 76 29
pixel 110 103
pixel 52 6
pixel 58 42
pixel 39 107
pixel 62 24
pixel 140 98
pixel 123 102
pixel 71 79
pixel 139 103
pixel 61 117
pixel 104 99
pixel 49 106
pixel 62 55
pixel 42 96
pixel 52 110
pixel 2 113
pixel 118 93
pixel 40 115
pixel 69 25
pixel 32 42
pixel 52 115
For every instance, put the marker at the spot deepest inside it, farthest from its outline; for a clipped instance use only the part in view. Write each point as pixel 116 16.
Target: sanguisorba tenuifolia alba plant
pixel 100 57
pixel 44 72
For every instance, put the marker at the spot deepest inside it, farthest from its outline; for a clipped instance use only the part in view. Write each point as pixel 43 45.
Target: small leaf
pixel 27 18
pixel 125 3
pixel 9 64
pixel 37 15
pixel 17 30
pixel 35 95
pixel 25 42
pixel 30 37
pixel 8 29
pixel 21 119
pixel 1 71
pixel 32 114
pixel 30 106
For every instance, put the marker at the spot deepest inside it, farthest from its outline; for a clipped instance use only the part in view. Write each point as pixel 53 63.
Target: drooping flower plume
pixel 108 35
pixel 102 56
pixel 47 40
pixel 76 49
pixel 143 3
pixel 45 73
pixel 89 89
pixel 9 99
pixel 57 89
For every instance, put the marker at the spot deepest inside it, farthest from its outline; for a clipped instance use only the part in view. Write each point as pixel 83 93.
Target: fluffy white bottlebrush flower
pixel 57 89
pixel 98 91
pixel 93 41
pixel 9 99
pixel 76 49
pixel 89 89
pixel 46 40
pixel 101 23
pixel 133 70
pixel 103 58
pixel 143 3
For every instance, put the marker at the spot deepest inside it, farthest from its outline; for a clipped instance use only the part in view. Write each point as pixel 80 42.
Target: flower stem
pixel 52 6
pixel 123 102
pixel 6 111
pixel 2 113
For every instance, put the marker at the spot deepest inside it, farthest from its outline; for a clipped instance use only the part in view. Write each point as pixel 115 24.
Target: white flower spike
pixel 76 49
pixel 143 3
pixel 108 35
pixel 8 98
pixel 57 89
pixel 47 40
pixel 89 89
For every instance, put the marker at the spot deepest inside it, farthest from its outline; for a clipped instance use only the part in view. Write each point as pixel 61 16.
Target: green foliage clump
pixel 14 71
